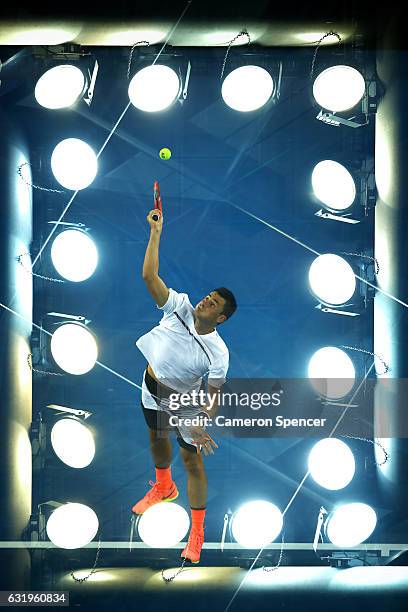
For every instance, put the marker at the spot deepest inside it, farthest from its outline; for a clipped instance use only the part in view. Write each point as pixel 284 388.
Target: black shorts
pixel 158 420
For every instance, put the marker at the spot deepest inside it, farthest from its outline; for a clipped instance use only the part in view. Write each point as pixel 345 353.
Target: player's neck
pixel 202 328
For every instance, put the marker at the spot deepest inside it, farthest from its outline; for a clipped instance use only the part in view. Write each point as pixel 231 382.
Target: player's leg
pixel 164 488
pixel 196 477
pixel 160 447
pixel 197 494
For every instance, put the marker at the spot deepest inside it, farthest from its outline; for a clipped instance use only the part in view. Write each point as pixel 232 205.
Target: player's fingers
pixel 209 448
pixel 211 441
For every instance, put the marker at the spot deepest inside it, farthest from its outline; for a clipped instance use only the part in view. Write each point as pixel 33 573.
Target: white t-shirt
pixel 176 357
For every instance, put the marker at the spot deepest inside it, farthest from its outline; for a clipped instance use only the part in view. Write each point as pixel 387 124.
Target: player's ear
pixel 221 319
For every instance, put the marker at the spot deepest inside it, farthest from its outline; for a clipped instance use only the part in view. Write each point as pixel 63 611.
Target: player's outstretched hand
pixel 155 225
pixel 202 439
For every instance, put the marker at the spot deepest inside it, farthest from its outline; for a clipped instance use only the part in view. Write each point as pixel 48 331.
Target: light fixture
pixel 74 255
pixel 342 89
pixel 74 164
pixel 339 88
pixel 163 525
pixel 333 185
pixel 73 442
pixel 60 87
pixel 256 524
pixel 72 525
pixel 331 464
pixel 350 524
pixel 331 279
pixel 247 88
pixel 72 79
pixel 74 348
pixel 154 88
pixel 332 373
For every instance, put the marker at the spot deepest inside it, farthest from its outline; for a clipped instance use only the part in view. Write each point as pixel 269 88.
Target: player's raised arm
pixel 154 283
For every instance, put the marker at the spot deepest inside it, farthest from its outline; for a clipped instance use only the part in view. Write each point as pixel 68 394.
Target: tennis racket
pixel 158 204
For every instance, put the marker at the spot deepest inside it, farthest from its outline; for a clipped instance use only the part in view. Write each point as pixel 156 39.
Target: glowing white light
pixel 333 185
pixel 73 443
pixel 74 255
pixel 74 348
pixel 331 372
pixel 60 87
pixel 247 88
pixel 331 464
pixel 257 524
pixel 163 525
pixel 339 88
pixel 72 526
pixel 332 279
pixel 31 33
pixel 154 88
pixel 74 164
pixel 351 524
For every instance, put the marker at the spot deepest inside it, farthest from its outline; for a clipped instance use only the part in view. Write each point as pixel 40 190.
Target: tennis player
pixel 183 348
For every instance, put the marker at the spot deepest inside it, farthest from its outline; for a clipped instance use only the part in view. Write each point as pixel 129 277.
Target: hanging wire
pixel 140 42
pixel 319 42
pixel 29 271
pixel 371 258
pixel 32 184
pixel 93 568
pixel 373 442
pixel 169 579
pixel 30 365
pixel 360 350
pixel 241 33
pixel 275 567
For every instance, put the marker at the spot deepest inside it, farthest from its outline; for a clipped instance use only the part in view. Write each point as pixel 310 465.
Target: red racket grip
pixel 158 204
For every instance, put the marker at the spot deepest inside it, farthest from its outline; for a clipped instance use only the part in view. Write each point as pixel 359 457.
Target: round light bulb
pixel 73 443
pixel 331 372
pixel 247 88
pixel 332 279
pixel 163 525
pixel 351 524
pixel 74 164
pixel 257 524
pixel 331 464
pixel 74 255
pixel 74 348
pixel 72 526
pixel 154 88
pixel 339 88
pixel 333 185
pixel 60 87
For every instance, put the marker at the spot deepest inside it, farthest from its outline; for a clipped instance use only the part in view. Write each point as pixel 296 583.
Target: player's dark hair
pixel 230 305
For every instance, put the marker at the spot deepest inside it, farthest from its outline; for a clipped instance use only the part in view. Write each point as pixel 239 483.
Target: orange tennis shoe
pixel 156 495
pixel 194 545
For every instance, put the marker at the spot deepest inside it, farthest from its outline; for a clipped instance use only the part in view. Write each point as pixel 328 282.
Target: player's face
pixel 209 309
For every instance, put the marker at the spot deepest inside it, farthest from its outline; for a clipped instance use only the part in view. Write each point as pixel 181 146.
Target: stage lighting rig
pixel 347 527
pixel 73 252
pixel 73 346
pixel 343 286
pixel 252 81
pixel 70 75
pixel 344 190
pixel 70 525
pixel 343 89
pixel 157 85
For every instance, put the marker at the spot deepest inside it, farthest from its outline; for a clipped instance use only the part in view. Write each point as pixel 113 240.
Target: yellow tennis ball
pixel 165 153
